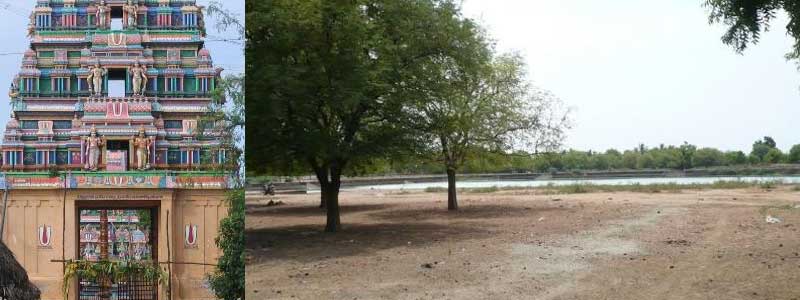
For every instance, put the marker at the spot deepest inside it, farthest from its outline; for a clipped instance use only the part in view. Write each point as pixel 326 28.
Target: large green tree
pixel 708 157
pixel 794 154
pixel 761 148
pixel 733 158
pixel 326 74
pixel 687 152
pixel 773 156
pixel 469 100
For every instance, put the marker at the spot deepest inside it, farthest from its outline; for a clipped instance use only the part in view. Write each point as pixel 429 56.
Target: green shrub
pixel 227 281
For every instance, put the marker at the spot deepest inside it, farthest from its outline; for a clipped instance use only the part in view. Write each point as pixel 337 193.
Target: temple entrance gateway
pixel 115 160
pixel 130 238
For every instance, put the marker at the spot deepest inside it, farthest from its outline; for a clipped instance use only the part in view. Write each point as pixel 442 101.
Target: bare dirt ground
pixel 712 244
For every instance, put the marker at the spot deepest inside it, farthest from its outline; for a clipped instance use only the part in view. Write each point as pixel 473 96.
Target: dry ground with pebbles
pixel 710 244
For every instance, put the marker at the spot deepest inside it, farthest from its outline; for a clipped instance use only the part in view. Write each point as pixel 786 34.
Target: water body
pixel 608 181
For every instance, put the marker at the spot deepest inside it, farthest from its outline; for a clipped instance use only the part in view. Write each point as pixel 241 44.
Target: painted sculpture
pixel 95 79
pixel 102 15
pixel 142 144
pixel 139 79
pixel 131 11
pixel 93 144
pixel 13 91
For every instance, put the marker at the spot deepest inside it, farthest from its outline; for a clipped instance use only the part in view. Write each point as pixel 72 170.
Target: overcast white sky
pixel 13 42
pixel 650 71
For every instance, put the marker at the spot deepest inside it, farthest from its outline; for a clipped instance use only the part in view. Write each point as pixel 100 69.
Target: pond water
pixel 607 181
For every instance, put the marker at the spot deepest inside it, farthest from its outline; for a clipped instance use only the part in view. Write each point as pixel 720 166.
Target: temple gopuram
pixel 109 158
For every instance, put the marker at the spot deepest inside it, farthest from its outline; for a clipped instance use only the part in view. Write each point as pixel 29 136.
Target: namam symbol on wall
pixel 190 236
pixel 117 110
pixel 45 236
pixel 117 39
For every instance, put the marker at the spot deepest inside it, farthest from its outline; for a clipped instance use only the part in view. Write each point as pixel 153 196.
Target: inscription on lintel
pixel 119 197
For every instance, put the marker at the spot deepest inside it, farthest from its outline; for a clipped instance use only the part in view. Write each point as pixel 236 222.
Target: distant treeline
pixel 686 156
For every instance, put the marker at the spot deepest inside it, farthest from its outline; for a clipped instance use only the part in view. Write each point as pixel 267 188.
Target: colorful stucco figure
pixel 142 144
pixel 139 78
pixel 93 143
pixel 95 79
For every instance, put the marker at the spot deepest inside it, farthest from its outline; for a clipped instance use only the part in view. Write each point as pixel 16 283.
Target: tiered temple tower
pixel 110 155
pixel 117 68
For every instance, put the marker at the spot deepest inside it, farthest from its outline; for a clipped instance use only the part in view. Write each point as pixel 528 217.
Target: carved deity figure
pixel 201 19
pixel 32 24
pixel 139 74
pixel 131 10
pixel 142 145
pixel 95 79
pixel 13 91
pixel 93 144
pixel 102 15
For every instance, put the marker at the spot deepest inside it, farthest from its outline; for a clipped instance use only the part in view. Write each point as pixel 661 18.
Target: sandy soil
pixel 712 244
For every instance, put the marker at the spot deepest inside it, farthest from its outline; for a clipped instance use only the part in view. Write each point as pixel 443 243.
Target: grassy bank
pixel 580 188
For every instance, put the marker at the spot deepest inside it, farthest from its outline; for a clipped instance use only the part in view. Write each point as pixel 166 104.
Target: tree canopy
pixel 747 20
pixel 470 99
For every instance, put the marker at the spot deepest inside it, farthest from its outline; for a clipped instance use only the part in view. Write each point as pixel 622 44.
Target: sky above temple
pixel 650 71
pixel 13 34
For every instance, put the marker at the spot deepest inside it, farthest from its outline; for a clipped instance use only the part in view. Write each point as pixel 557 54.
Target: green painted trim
pixel 62 32
pixel 128 84
pixel 188 53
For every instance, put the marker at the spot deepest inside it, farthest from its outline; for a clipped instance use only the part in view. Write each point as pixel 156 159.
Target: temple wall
pixel 27 210
pixel 30 209
pixel 195 207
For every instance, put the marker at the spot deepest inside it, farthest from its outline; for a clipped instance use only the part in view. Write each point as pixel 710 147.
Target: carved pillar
pixel 103 155
pixel 83 153
pixel 131 153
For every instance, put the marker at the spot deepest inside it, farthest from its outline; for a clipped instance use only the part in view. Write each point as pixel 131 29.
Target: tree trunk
pixel 322 195
pixel 322 178
pixel 452 200
pixel 332 198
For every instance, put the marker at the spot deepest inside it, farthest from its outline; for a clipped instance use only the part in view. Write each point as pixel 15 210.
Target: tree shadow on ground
pixel 309 211
pixel 471 211
pixel 307 243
